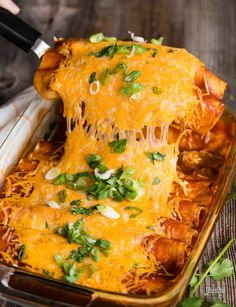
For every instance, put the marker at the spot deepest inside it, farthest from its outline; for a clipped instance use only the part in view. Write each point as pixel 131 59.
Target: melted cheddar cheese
pixel 172 72
pixel 94 120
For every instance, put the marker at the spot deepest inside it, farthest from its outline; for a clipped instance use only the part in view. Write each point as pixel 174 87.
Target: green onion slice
pixel 157 41
pixel 96 38
pixel 132 76
pixel 132 88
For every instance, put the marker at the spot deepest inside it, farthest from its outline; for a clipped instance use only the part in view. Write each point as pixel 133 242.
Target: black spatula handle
pixel 17 31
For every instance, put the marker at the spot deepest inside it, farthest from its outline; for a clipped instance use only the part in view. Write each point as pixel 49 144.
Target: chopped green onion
pixel 104 176
pixel 112 49
pixel 135 38
pixel 128 172
pixel 62 196
pixel 93 77
pixel 60 179
pixel 154 53
pixel 132 88
pixel 108 211
pixel 106 51
pixel 81 210
pixel 156 180
pixel 76 209
pixel 75 202
pixel 52 173
pixel 53 204
pixel 156 155
pixel 58 259
pixel 115 195
pixel 105 76
pixel 93 160
pixel 118 146
pixel 131 184
pixel 157 41
pixel 139 49
pixel 137 209
pixel 119 67
pixel 156 90
pixel 132 76
pixel 110 39
pixel 95 254
pixel 96 38
pixel 88 246
pixel 135 189
pixel 71 274
pixel 94 87
pixel 124 49
pixel 104 193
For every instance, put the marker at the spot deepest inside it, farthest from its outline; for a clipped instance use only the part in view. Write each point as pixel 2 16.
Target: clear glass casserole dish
pixel 31 289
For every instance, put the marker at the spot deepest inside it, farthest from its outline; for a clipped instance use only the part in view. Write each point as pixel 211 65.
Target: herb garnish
pixel 62 195
pixel 96 38
pixel 71 273
pixel 132 88
pixel 60 179
pixel 106 51
pixel 112 49
pixel 81 210
pixel 102 182
pixel 156 90
pixel 89 247
pixel 105 76
pixel 93 77
pixel 119 67
pixel 118 146
pixel 76 209
pixel 76 202
pixel 137 209
pixel 133 75
pixel 158 41
pixel 156 155
pixel 154 53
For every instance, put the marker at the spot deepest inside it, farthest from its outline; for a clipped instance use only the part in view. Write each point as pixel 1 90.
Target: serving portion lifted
pixel 120 207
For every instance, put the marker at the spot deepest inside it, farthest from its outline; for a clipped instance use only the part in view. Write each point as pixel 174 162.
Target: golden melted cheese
pixel 105 115
pixel 172 72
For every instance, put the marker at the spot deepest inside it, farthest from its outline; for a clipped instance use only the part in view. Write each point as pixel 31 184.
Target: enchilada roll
pixel 171 254
pixel 179 231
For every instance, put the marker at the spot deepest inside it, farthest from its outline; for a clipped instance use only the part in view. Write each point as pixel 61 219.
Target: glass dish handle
pixel 27 289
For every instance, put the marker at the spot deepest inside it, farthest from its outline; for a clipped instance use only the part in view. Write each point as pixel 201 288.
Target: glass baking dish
pixel 28 288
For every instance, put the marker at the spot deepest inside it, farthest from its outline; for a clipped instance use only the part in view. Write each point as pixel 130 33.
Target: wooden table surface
pixel 207 28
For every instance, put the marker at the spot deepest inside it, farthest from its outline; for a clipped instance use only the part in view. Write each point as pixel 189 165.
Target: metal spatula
pixel 21 34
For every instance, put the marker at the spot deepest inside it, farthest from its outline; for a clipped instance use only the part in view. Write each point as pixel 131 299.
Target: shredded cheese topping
pixel 97 114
